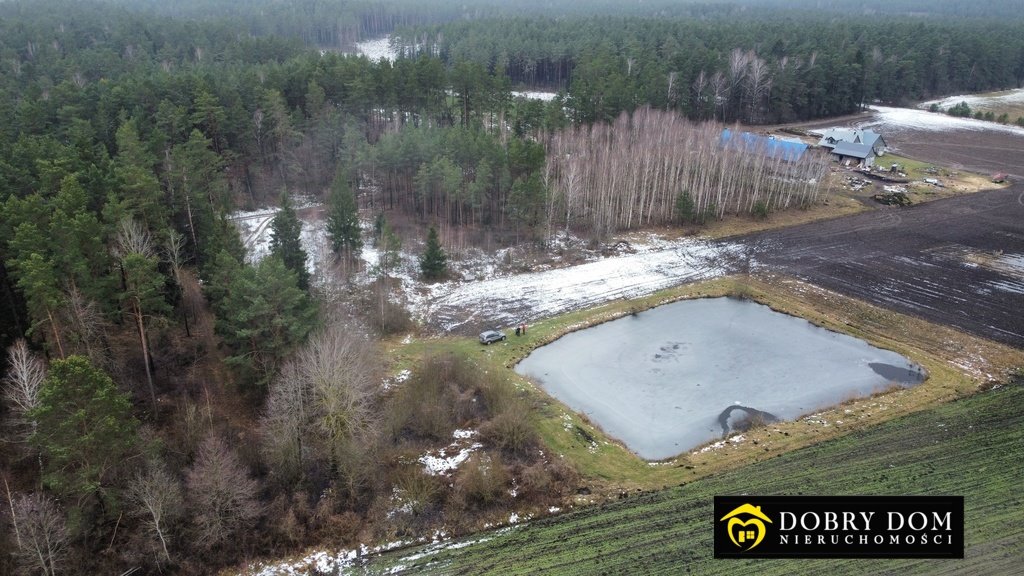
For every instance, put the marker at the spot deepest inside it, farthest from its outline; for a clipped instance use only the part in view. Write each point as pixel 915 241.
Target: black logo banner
pixel 839 526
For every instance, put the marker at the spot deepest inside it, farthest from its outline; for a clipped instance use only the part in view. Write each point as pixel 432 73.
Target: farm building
pixel 775 148
pixel 853 145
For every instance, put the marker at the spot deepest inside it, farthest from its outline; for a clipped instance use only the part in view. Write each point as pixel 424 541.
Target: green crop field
pixel 972 447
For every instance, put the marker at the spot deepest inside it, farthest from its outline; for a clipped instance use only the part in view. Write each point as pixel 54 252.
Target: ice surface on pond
pixel 669 379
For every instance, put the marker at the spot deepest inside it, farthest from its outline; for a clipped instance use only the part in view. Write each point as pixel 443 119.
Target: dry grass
pixel 836 206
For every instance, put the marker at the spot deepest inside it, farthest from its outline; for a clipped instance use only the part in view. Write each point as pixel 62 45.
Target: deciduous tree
pixel 157 498
pixel 322 403
pixel 40 532
pixel 222 495
pixel 21 386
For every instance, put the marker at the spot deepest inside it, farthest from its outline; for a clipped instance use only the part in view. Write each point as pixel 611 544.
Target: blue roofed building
pixel 770 146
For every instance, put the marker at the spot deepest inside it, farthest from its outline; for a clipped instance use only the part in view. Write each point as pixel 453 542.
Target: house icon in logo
pixel 746 526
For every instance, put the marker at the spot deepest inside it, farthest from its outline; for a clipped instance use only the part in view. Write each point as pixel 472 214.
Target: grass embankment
pixel 957 364
pixel 953 182
pixel 972 447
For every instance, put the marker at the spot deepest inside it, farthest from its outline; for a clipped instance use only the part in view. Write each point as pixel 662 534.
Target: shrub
pixel 685 207
pixel 553 479
pixel 417 488
pixel 512 430
pixel 482 480
pixel 423 408
pixel 760 210
pixel 386 316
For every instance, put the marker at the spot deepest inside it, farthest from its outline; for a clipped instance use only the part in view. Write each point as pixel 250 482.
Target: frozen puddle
pixel 672 378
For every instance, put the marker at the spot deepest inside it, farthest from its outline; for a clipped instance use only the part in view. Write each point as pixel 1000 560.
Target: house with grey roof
pixel 853 145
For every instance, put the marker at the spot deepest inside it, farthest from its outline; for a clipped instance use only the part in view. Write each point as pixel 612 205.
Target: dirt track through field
pixel 943 261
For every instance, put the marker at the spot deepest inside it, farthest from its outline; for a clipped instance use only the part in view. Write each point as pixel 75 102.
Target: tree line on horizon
pixel 777 69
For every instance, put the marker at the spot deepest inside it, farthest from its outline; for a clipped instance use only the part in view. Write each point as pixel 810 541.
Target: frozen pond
pixel 672 378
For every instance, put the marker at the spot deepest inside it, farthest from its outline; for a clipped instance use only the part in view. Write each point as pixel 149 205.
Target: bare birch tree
pixel 40 533
pixel 631 173
pixel 322 401
pixel 24 378
pixel 21 385
pixel 221 493
pixel 758 84
pixel 157 498
pixel 85 325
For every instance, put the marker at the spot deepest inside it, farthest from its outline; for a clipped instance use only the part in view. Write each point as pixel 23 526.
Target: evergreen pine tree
pixel 685 208
pixel 378 227
pixel 261 316
pixel 286 243
pixel 85 428
pixel 343 218
pixel 434 263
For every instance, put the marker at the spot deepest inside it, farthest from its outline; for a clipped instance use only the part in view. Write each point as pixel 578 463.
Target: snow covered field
pixel 984 102
pixel 497 298
pixel 505 301
pixel 377 48
pixel 254 229
pixel 888 118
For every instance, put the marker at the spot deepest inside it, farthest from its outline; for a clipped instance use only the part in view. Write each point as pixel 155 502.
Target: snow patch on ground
pixel 317 244
pixel 406 272
pixel 446 460
pixel 348 561
pixel 720 444
pixel 255 230
pixel 534 95
pixel 511 299
pixel 389 383
pixel 895 118
pixel 377 48
pixel 400 504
